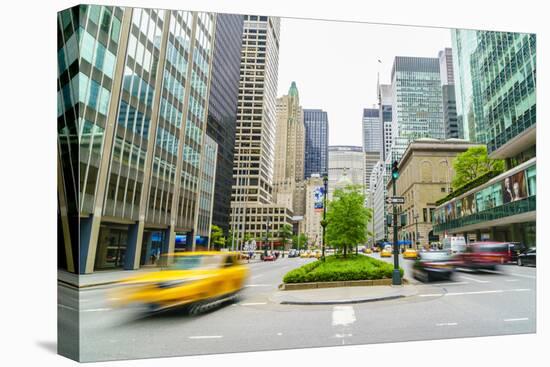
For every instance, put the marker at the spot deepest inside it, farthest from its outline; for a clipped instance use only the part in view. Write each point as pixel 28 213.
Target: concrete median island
pixel 339 271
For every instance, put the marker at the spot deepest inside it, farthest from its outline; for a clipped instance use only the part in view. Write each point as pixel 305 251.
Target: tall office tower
pixel 222 108
pixel 316 149
pixel 133 88
pixel 207 172
pixel 417 101
pixel 446 66
pixel 252 208
pixel 372 130
pixel 372 144
pixel 385 99
pixel 448 93
pixel 469 105
pixel 346 166
pixel 289 149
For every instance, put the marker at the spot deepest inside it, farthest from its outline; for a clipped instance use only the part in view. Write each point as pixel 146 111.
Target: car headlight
pixel 175 283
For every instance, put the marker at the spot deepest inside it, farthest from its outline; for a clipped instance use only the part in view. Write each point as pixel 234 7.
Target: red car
pixel 269 257
pixel 484 255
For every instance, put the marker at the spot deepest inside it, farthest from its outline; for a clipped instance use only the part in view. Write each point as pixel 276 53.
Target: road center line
pixel 447 324
pixel 475 280
pixel 522 275
pixel 261 285
pixel 257 276
pixel 467 293
pixel 253 303
pixel 518 319
pixel 206 337
pixel 343 315
pixel 512 280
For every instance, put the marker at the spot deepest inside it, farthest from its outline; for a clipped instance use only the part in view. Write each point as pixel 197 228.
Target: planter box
pixel 348 283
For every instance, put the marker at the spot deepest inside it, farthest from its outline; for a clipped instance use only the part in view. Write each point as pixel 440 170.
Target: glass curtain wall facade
pixel 316 142
pixel 372 130
pixel 417 101
pixel 206 196
pixel 136 123
pixel 222 108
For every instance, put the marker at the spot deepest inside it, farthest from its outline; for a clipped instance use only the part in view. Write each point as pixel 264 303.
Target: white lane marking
pixel 447 324
pixel 522 276
pixel 512 280
pixel 343 315
pixel 257 276
pixel 342 335
pixel 518 319
pixel 260 285
pixel 67 307
pixel 253 303
pixel 451 283
pixel 279 334
pixel 475 280
pixel 96 310
pixel 206 337
pixel 467 293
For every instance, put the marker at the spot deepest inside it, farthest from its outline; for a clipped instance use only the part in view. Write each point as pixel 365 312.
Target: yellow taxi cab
pixel 386 252
pixel 368 250
pixel 410 253
pixel 305 254
pixel 316 254
pixel 195 279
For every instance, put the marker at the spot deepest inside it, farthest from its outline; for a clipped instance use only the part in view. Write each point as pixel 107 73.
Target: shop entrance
pixel 152 246
pixel 111 247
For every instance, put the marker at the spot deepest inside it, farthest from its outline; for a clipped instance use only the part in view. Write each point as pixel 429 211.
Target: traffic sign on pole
pixel 395 200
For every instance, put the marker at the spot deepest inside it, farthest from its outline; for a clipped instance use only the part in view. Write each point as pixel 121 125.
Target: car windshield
pixel 435 256
pixel 196 262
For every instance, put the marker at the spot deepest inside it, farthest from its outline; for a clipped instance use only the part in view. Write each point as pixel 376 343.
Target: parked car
pixel 368 250
pixel 293 253
pixel 433 265
pixel 190 279
pixel 484 255
pixel 305 254
pixel 410 253
pixel 528 258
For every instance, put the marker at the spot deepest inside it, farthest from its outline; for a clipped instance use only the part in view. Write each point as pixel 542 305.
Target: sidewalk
pixel 342 295
pixel 106 277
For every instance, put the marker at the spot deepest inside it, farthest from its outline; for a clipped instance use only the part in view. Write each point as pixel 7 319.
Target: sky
pixel 335 65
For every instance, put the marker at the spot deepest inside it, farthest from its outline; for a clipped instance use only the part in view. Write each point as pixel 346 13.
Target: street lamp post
pixel 266 236
pixel 324 221
pixel 396 276
pixel 416 235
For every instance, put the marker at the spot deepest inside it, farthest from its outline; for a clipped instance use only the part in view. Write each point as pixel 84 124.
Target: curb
pixel 341 302
pixel 87 285
pixel 337 284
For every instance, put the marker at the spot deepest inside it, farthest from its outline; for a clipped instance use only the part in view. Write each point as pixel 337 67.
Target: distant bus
pixel 456 244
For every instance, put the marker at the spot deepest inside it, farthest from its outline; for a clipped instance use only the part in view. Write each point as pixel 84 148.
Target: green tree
pixel 347 219
pixel 285 233
pixel 299 241
pixel 473 163
pixel 217 240
pixel 229 239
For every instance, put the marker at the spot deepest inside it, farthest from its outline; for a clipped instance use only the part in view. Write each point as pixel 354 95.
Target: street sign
pixel 395 200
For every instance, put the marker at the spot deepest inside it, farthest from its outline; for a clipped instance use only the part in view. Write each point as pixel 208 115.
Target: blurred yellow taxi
pixel 305 254
pixel 316 254
pixel 410 253
pixel 386 252
pixel 195 279
pixel 368 250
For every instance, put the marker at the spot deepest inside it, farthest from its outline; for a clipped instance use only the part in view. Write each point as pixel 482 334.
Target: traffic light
pixel 394 170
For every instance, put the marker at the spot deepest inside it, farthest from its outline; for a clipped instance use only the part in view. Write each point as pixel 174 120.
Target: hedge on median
pixel 338 268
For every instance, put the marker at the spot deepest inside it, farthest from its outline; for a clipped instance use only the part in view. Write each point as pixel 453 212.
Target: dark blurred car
pixel 515 249
pixel 484 255
pixel 433 265
pixel 528 258
pixel 293 253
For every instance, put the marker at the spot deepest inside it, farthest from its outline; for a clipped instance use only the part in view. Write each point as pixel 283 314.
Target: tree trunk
pixel 345 251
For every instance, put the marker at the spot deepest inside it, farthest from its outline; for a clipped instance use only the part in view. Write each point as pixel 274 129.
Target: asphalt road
pixel 473 304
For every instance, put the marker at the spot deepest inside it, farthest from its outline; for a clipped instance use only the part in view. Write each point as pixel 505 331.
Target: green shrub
pixel 338 268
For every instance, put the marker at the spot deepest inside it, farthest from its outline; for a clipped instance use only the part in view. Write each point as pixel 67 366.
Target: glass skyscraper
pixel 372 130
pixel 417 101
pixel 222 108
pixel 133 88
pixel 316 145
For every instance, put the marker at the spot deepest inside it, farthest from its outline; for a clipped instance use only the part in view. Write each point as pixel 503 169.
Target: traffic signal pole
pixel 396 276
